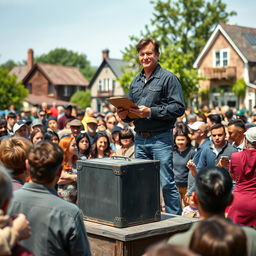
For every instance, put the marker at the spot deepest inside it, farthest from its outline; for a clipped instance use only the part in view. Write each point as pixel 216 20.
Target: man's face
pixel 218 137
pixel 92 127
pixel 148 57
pixel 11 121
pixel 22 132
pixel 53 125
pixel 235 133
pixel 42 115
pixel 68 111
pixel 75 130
pixel 195 134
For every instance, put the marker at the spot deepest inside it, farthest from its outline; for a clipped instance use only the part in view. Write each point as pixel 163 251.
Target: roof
pixel 238 37
pixel 57 75
pixel 241 37
pixel 20 72
pixel 116 65
pixel 38 100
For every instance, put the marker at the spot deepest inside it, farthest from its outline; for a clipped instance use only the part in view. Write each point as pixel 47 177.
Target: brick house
pixel 48 83
pixel 104 83
pixel 229 55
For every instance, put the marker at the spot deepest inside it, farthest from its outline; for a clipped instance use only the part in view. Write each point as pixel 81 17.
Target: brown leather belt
pixel 149 134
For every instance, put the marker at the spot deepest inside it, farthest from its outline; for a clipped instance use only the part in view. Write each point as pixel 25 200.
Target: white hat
pixel 196 125
pixel 250 134
pixel 18 125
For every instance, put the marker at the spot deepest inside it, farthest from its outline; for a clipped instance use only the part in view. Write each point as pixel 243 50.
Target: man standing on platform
pixel 158 95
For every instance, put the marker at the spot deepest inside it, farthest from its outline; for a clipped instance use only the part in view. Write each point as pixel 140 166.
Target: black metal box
pixel 119 192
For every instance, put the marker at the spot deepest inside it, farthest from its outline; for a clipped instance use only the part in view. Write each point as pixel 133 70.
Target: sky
pixel 83 26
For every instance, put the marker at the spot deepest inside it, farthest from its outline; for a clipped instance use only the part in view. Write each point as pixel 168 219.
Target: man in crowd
pixel 57 225
pixel 92 125
pixel 75 127
pixel 213 194
pixel 199 131
pixel 11 120
pixel 236 130
pixel 158 95
pixel 67 115
pixel 21 129
pixel 219 152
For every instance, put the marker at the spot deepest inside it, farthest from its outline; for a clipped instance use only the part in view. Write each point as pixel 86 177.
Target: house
pixel 229 55
pixel 104 83
pixel 48 83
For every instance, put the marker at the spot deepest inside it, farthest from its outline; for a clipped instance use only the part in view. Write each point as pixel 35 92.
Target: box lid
pixel 116 161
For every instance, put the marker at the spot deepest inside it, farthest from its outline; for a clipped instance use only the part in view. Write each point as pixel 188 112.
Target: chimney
pixel 105 54
pixel 30 58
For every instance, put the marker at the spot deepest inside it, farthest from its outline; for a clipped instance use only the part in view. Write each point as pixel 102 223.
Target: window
pixel 65 93
pixel 100 85
pixel 221 58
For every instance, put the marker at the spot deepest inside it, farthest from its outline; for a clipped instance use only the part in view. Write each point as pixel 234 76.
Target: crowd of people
pixel 201 141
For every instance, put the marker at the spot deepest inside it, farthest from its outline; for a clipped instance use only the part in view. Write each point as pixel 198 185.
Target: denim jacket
pixel 162 92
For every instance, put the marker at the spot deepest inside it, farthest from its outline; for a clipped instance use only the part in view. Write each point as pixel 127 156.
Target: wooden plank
pixel 168 224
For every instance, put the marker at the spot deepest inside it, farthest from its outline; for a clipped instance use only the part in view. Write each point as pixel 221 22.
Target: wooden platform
pixel 132 241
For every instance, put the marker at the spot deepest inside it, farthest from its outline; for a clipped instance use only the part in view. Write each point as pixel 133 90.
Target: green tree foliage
pixel 10 64
pixel 60 56
pixel 183 28
pixel 82 99
pixel 239 89
pixel 11 92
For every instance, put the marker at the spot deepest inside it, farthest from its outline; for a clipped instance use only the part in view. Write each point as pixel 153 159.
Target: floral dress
pixel 68 191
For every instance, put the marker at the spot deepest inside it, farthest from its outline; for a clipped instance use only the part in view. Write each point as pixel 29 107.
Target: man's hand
pixel 141 111
pixel 223 162
pixel 122 113
pixel 21 225
pixel 192 167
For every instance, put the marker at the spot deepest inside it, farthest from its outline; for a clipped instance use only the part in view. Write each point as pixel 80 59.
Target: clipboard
pixel 125 103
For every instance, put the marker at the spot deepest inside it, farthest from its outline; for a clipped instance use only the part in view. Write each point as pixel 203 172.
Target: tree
pixel 182 27
pixel 60 56
pixel 82 99
pixel 10 64
pixel 11 92
pixel 239 89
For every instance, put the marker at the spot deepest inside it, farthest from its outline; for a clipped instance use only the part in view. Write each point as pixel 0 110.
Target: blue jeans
pixel 159 147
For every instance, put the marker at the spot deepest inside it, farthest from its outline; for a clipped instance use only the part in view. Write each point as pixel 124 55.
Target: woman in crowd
pixel 101 125
pixel 83 145
pixel 52 136
pixel 127 143
pixel 36 135
pixel 182 153
pixel 67 184
pixel 116 144
pixel 243 170
pixel 217 237
pixel 101 147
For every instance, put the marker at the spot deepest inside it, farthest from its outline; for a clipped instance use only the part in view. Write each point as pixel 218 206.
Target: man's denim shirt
pixel 162 92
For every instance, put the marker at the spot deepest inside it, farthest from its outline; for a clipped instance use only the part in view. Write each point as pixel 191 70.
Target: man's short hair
pixel 214 189
pixel 218 126
pixel 11 115
pixel 215 118
pixel 145 41
pixel 5 186
pixel 45 159
pixel 237 123
pixel 13 154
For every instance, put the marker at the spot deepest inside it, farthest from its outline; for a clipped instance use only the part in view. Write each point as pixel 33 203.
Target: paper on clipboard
pixel 125 103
